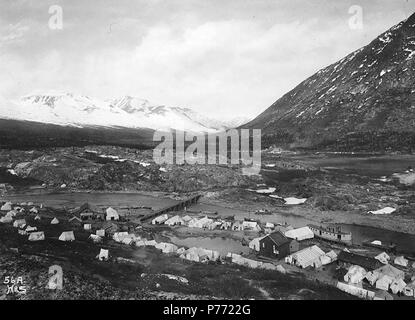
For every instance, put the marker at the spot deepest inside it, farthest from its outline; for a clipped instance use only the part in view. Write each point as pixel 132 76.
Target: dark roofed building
pixel 275 245
pixel 355 259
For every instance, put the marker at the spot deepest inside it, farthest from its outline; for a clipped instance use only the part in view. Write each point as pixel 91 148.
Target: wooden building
pixel 275 245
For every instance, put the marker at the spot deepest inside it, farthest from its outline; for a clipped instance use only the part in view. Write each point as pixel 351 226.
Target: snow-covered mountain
pixel 364 101
pixel 68 109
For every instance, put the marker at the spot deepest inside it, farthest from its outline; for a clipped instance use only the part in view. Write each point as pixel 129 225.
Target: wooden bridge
pixel 175 207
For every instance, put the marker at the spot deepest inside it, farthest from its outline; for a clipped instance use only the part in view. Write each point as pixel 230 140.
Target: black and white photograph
pixel 218 152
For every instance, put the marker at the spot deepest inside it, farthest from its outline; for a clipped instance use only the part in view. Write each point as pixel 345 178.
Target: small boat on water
pixel 331 233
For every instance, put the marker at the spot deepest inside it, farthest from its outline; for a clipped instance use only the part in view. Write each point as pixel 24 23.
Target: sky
pixel 224 59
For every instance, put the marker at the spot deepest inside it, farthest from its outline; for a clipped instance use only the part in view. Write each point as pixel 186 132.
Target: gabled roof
pixel 363 261
pixel 277 237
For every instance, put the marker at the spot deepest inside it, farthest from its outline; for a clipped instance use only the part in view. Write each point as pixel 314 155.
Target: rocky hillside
pixel 362 102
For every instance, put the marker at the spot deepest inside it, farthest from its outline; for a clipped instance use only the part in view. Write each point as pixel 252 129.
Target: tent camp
pixel 300 234
pixel 355 274
pixel 37 236
pixel 54 221
pixel 398 286
pixel 307 257
pixel 67 236
pixel 19 223
pixel 112 214
pixel 103 255
pixel 160 219
pixel 383 257
pixel 6 207
pixel 401 261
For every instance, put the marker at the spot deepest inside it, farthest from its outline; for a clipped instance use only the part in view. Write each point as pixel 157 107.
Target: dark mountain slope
pixel 363 102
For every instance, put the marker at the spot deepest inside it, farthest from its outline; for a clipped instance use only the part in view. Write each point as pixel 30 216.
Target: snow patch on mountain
pixel 68 109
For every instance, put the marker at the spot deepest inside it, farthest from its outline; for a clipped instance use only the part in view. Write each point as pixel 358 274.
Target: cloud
pixel 232 62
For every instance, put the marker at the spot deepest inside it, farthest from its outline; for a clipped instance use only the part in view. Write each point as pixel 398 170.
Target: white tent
pixel 87 226
pixel 54 221
pixel 300 234
pixel 67 236
pixel 401 261
pixel 95 238
pixel 103 255
pixel 200 254
pixel 200 223
pixel 384 282
pixel 186 219
pixel 120 236
pixel 306 257
pixel 6 207
pixel 372 277
pixel 181 250
pixel 166 247
pixel 100 233
pixel 6 219
pixel 112 214
pixel 173 221
pixel 329 257
pixel 254 244
pixel 251 226
pixel 151 243
pixel 160 219
pixel 355 274
pixel 11 214
pixel 37 217
pixel 22 232
pixel 37 236
pixel 31 229
pixel 398 286
pixel 383 257
pixel 19 223
pixel 269 225
pixel 33 210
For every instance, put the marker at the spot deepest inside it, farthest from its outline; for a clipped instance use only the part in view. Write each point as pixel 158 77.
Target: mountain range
pixel 365 101
pixel 68 109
